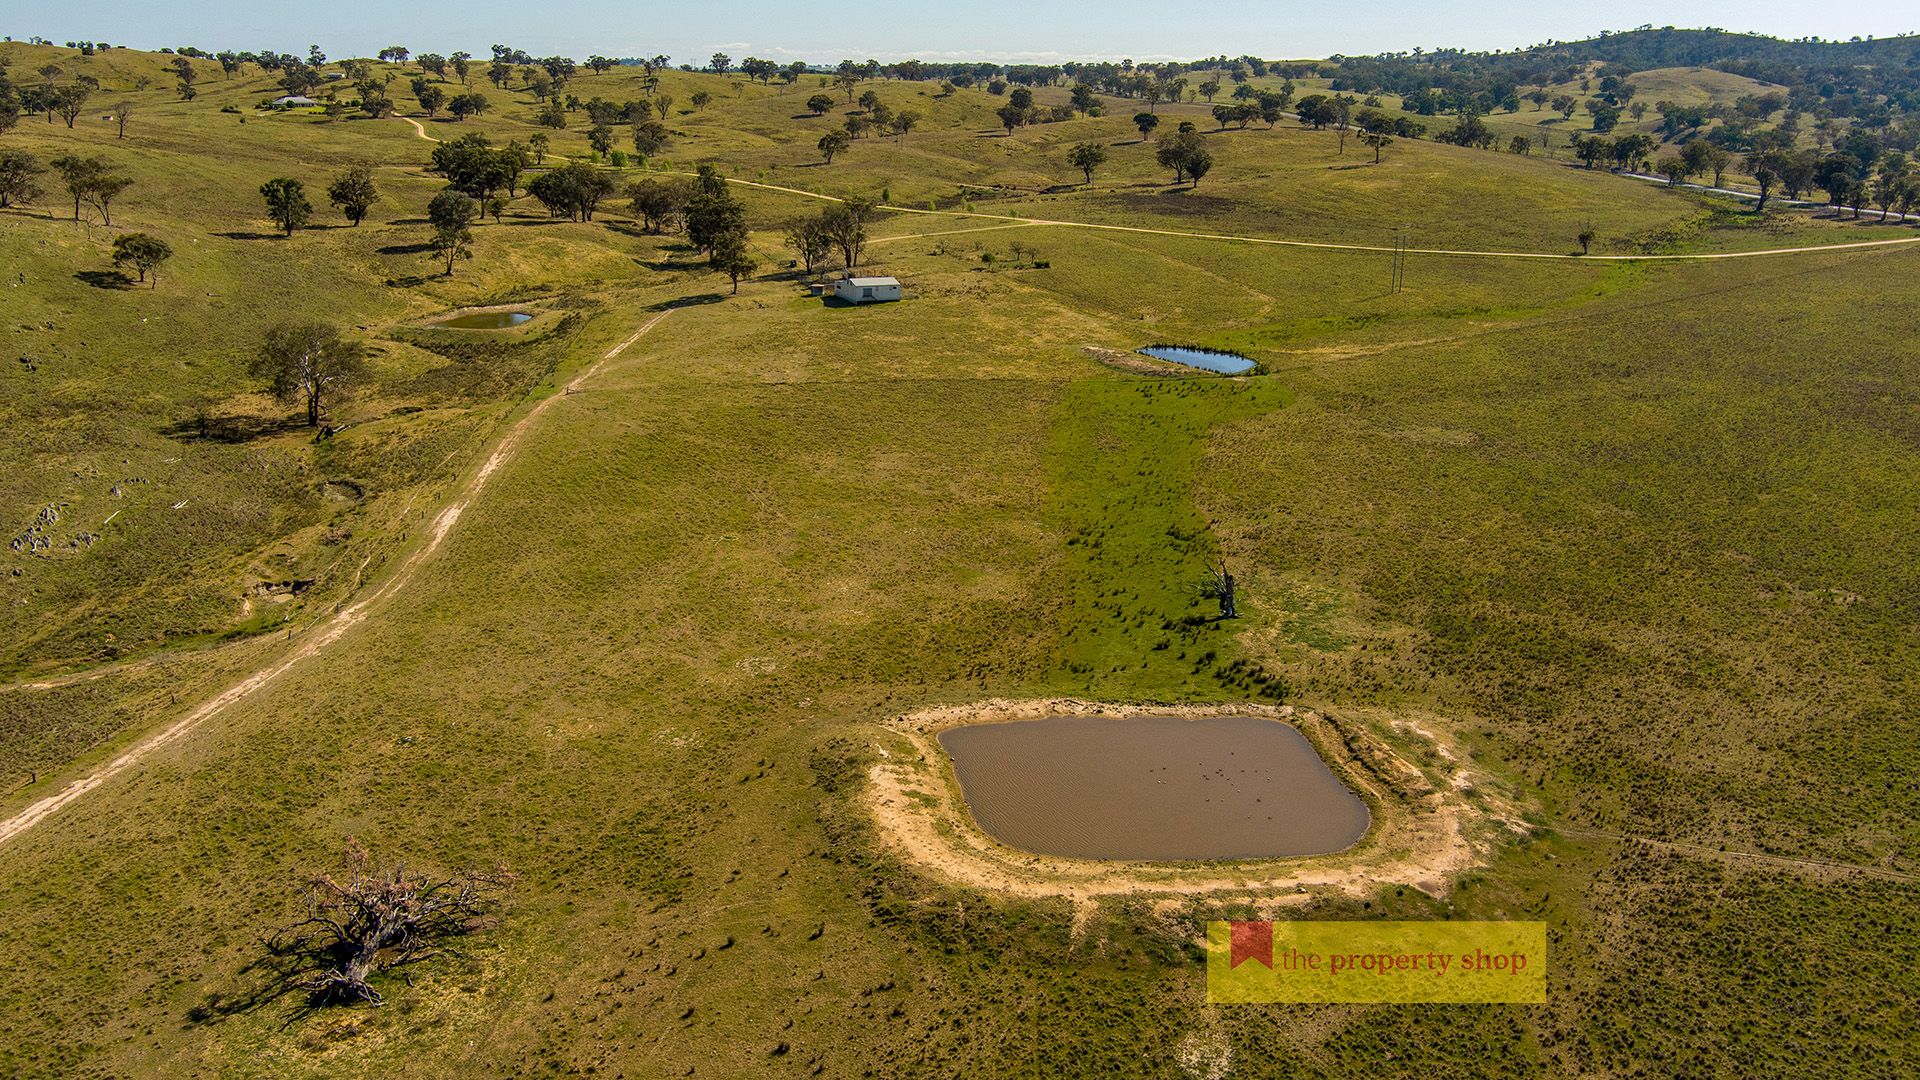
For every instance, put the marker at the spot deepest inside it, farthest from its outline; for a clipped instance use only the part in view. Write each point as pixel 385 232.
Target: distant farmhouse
pixel 867 290
pixel 292 101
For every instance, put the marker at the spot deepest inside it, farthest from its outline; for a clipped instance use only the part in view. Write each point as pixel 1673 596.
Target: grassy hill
pixel 1667 46
pixel 1695 85
pixel 1631 538
pixel 1552 133
pixel 158 361
pixel 1743 92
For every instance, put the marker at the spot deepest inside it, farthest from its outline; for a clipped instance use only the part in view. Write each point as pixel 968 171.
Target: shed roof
pixel 871 282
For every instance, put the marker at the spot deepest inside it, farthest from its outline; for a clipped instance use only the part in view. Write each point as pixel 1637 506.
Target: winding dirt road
pixel 1009 221
pixel 418 130
pixel 1777 200
pixel 1012 219
pixel 327 632
pixel 331 630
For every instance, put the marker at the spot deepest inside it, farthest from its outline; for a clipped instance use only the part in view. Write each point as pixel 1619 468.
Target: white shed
pixel 867 290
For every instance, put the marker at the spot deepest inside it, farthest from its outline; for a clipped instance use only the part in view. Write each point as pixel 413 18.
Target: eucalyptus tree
pixel 1086 157
pixel 287 203
pixel 309 363
pixel 353 192
pixel 452 213
pixel 142 252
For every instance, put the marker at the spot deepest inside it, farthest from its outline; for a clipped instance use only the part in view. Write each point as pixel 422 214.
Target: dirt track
pixel 1009 220
pixel 327 632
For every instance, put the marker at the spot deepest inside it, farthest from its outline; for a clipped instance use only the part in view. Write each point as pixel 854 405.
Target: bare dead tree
pixel 366 918
pixel 1219 585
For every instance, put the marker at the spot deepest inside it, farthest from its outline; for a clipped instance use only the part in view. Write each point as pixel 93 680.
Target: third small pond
pixel 1224 363
pixel 1154 787
pixel 486 320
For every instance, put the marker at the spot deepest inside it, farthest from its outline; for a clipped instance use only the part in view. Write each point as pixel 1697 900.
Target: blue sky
pixel 1037 30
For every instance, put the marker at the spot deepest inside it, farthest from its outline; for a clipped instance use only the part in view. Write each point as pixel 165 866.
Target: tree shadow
pixel 278 976
pixel 698 300
pixel 404 249
pixel 230 429
pixel 30 212
pixel 286 971
pixel 243 235
pixel 105 279
pixel 1869 216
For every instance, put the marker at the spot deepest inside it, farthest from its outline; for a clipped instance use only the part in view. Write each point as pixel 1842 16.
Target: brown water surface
pixel 487 320
pixel 1153 787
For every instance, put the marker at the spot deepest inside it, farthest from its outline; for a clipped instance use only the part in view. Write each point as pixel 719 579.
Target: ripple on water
pixel 1154 787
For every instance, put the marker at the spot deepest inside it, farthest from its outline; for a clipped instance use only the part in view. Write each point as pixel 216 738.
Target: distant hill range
pixel 1873 81
pixel 1668 47
pixel 1894 60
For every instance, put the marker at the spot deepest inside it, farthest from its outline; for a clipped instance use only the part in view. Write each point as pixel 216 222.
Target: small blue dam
pixel 1224 363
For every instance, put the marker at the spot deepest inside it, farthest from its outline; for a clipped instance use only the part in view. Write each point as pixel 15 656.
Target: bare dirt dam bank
pixel 1423 830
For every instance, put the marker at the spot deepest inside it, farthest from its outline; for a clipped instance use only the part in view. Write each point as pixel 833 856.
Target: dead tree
pixel 364 918
pixel 1219 585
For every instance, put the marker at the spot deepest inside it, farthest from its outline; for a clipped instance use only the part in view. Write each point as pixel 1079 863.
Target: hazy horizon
pixel 1041 32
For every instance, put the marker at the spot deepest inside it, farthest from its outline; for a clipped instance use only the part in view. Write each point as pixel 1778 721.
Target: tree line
pixel 1888 180
pixel 1871 81
pixel 1857 173
pixel 92 181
